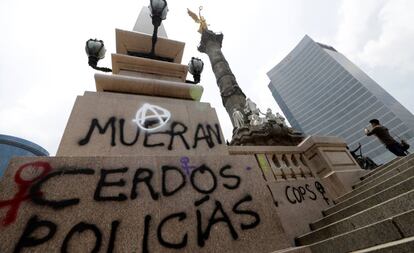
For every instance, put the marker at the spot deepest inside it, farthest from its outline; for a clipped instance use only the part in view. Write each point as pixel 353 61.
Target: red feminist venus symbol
pixel 36 169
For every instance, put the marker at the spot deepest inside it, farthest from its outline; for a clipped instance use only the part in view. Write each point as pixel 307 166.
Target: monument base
pixel 139 204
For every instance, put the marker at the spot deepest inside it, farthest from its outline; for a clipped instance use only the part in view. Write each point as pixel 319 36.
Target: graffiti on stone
pixel 205 213
pixel 319 187
pixel 187 168
pixel 307 192
pixel 152 127
pixel 176 132
pixel 151 117
pixel 24 178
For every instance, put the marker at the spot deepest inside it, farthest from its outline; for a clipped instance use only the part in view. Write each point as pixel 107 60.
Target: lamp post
pixel 158 9
pixel 195 67
pixel 158 12
pixel 95 49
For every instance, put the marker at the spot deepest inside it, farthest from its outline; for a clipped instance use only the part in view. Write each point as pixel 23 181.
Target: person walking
pixel 384 136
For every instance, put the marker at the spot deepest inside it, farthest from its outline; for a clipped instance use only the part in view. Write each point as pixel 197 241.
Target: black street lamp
pixel 195 67
pixel 95 49
pixel 159 11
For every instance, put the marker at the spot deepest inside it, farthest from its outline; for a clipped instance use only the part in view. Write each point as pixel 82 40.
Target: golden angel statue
pixel 199 19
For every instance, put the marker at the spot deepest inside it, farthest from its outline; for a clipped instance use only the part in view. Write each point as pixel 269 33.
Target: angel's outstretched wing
pixel 193 16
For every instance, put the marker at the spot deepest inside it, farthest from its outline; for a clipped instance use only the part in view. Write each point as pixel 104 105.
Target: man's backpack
pixel 404 145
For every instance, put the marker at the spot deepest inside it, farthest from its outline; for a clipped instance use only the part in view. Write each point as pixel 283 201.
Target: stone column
pixel 231 94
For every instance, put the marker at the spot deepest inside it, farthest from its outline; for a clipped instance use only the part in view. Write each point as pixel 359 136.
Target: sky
pixel 43 65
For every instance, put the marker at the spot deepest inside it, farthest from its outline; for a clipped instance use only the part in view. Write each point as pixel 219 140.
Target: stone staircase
pixel 377 216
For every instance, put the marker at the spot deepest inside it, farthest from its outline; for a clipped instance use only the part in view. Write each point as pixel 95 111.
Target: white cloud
pixel 377 32
pixel 393 47
pixel 377 35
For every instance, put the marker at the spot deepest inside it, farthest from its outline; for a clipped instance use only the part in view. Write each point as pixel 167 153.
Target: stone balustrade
pixel 284 166
pixel 324 158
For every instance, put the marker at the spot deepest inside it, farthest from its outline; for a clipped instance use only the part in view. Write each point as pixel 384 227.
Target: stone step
pixel 383 170
pixel 382 232
pixel 379 179
pixel 393 207
pixel 405 245
pixel 302 249
pixel 383 166
pixel 366 193
pixel 365 204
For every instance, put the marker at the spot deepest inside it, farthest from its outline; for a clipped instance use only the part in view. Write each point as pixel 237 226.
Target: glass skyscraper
pixel 321 92
pixel 11 146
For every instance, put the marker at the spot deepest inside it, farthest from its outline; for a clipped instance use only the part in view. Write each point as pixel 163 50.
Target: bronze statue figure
pixel 199 19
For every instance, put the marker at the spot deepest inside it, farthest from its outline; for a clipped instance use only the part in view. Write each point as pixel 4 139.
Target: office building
pixel 321 92
pixel 12 146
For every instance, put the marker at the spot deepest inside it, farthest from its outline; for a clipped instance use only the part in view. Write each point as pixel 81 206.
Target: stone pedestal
pixel 148 87
pixel 141 204
pixel 106 124
pixel 333 163
pixel 142 67
pixel 137 42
